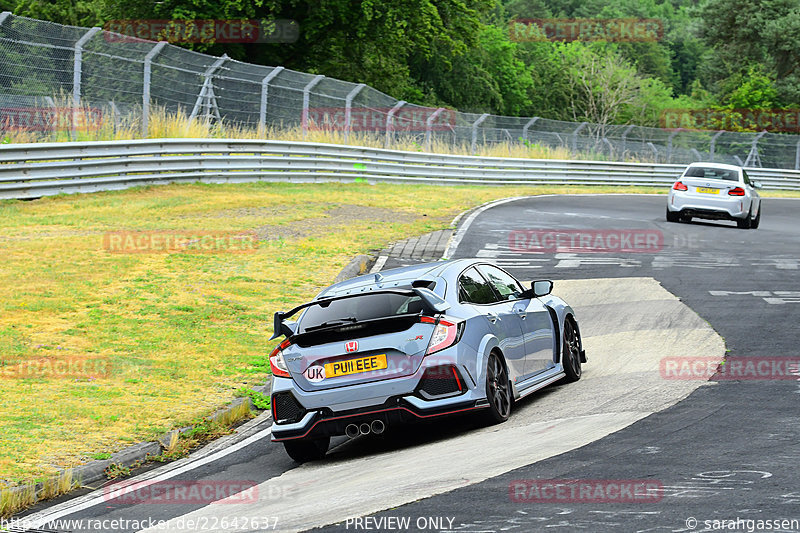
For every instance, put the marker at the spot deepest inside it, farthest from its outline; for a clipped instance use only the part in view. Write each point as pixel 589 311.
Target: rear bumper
pixel 324 422
pixel 722 208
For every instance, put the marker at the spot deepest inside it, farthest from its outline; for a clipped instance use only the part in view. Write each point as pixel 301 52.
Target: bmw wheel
pixel 757 220
pixel 673 216
pixel 498 389
pixel 571 357
pixel 746 222
pixel 305 450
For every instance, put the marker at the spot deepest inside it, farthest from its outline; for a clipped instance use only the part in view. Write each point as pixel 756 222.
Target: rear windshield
pixel 359 309
pixel 713 173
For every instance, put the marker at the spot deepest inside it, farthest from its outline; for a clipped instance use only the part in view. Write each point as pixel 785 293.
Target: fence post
pixel 714 143
pixel 207 90
pixel 475 131
pixel 669 144
pixel 306 97
pixel 610 147
pixel 148 60
pixel 348 104
pixel 527 126
pixel 797 157
pixel 390 120
pixel 753 155
pixel 654 149
pixel 114 115
pixel 262 110
pixel 738 160
pixel 575 136
pixel 429 125
pixel 76 75
pixel 697 154
pixel 625 139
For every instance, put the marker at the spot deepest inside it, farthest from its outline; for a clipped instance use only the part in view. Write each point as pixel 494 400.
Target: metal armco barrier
pixel 43 169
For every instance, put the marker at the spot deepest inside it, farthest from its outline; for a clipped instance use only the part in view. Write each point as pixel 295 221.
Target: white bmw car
pixel 717 192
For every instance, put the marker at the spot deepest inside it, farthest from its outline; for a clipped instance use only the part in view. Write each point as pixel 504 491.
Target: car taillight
pixel 445 334
pixel 679 186
pixel 276 362
pixel 736 191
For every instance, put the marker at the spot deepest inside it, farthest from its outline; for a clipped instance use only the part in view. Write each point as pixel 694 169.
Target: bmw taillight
pixel 736 191
pixel 679 186
pixel 276 362
pixel 445 334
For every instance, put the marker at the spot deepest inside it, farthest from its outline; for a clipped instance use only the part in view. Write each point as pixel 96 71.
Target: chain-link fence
pixel 126 77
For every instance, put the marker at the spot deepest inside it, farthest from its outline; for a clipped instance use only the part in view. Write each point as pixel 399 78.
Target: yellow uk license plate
pixel 355 366
pixel 708 190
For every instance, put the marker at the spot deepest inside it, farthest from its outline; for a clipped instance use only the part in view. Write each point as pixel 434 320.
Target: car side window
pixel 507 287
pixel 746 177
pixel 472 288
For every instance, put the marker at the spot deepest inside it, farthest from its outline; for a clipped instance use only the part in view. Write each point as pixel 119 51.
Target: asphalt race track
pixel 717 450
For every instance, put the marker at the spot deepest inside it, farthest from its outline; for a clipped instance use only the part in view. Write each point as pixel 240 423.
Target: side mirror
pixel 756 184
pixel 542 287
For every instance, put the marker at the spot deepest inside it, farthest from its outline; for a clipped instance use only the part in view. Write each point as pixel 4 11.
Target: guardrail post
pixel 429 125
pixel 390 120
pixel 262 110
pixel 575 136
pixel 625 139
pixel 3 16
pixel 654 149
pixel 797 157
pixel 76 75
pixel 475 131
pixel 306 97
pixel 669 144
pixel 348 104
pixel 527 127
pixel 148 64
pixel 206 97
pixel 714 143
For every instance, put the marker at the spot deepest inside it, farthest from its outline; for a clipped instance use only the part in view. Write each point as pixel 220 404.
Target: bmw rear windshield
pixel 360 308
pixel 713 173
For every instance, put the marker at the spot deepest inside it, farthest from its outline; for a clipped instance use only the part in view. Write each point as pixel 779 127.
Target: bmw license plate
pixel 355 366
pixel 708 190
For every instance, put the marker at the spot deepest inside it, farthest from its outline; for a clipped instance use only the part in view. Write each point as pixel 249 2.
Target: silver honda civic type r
pixel 717 192
pixel 414 343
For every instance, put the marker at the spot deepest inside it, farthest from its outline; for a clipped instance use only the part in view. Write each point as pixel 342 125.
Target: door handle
pixel 492 317
pixel 522 313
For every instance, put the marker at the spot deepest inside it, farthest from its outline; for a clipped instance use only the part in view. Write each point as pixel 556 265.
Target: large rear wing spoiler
pixel 428 296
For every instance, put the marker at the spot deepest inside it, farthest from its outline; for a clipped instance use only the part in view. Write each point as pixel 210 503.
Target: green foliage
pixel 713 53
pixel 260 400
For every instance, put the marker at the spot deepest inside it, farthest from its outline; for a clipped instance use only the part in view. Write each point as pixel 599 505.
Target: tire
pixel 306 450
pixel 498 390
pixel 746 222
pixel 673 216
pixel 686 219
pixel 571 357
pixel 757 220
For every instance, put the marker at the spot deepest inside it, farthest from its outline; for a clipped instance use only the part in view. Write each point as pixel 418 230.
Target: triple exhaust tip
pixel 377 427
